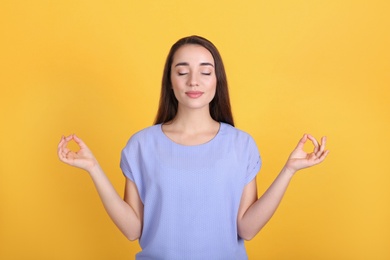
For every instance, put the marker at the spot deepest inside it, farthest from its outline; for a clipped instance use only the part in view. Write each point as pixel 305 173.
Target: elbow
pixel 132 232
pixel 133 236
pixel 248 233
pixel 247 237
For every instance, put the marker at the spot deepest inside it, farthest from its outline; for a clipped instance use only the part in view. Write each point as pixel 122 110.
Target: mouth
pixel 194 94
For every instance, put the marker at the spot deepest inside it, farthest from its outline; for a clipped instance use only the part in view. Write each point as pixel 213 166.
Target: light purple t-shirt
pixel 191 194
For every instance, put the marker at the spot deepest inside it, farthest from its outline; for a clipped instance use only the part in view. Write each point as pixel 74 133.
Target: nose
pixel 192 80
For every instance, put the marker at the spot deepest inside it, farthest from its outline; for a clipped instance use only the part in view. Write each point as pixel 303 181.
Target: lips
pixel 194 94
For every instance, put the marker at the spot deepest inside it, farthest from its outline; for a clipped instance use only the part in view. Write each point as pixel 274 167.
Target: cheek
pixel 213 84
pixel 174 83
pixel 213 88
pixel 178 82
pixel 210 82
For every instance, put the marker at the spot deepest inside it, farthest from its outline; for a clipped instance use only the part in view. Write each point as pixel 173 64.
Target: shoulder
pixel 145 135
pixel 147 132
pixel 231 131
pixel 239 139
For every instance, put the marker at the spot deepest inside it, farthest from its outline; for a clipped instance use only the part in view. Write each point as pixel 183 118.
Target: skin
pixel 194 83
pixel 192 72
pixel 254 213
pixel 126 213
pixel 193 77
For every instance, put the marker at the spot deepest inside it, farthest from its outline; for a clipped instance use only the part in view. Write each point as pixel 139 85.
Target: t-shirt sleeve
pixel 254 161
pixel 130 163
pixel 125 165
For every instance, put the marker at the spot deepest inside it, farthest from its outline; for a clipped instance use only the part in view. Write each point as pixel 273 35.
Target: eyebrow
pixel 201 64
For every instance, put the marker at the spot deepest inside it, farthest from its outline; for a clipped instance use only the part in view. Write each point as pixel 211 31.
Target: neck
pixel 193 120
pixel 191 127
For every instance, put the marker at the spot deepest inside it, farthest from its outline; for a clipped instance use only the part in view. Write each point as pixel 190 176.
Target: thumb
pixel 79 142
pixel 301 142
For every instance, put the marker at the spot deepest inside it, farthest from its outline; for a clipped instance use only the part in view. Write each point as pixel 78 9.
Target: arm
pixel 254 213
pixel 127 213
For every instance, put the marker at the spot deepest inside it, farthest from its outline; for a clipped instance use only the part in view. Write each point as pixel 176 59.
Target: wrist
pixel 93 167
pixel 288 171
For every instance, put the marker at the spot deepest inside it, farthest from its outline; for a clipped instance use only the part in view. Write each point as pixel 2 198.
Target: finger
pixel 64 142
pixel 63 156
pixel 322 146
pixel 69 138
pixel 61 142
pixel 323 156
pixel 63 152
pixel 61 146
pixel 67 155
pixel 79 142
pixel 315 143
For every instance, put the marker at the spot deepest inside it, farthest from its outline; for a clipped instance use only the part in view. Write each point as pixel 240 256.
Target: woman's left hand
pixel 299 159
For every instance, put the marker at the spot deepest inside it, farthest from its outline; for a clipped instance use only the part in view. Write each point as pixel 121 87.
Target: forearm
pixel 122 214
pixel 260 212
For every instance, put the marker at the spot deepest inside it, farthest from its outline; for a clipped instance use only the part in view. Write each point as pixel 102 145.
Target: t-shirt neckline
pixel 196 145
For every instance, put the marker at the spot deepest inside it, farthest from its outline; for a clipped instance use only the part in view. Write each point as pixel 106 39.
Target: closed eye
pixel 182 73
pixel 206 73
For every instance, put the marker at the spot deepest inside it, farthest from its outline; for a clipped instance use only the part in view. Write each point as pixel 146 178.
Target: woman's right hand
pixel 83 158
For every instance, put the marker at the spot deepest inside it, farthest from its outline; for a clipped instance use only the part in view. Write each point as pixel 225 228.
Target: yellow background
pixel 94 68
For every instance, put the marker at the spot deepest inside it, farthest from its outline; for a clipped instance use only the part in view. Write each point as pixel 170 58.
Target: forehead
pixel 192 53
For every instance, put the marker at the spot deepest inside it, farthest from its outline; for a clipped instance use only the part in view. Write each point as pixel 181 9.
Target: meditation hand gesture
pixel 83 158
pixel 299 159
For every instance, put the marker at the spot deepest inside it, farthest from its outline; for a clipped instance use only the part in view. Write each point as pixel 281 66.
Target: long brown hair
pixel 220 109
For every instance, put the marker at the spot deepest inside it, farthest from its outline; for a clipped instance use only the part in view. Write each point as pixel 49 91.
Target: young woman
pixel 191 178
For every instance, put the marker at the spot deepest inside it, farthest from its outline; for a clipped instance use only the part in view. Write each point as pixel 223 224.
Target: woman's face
pixel 193 77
